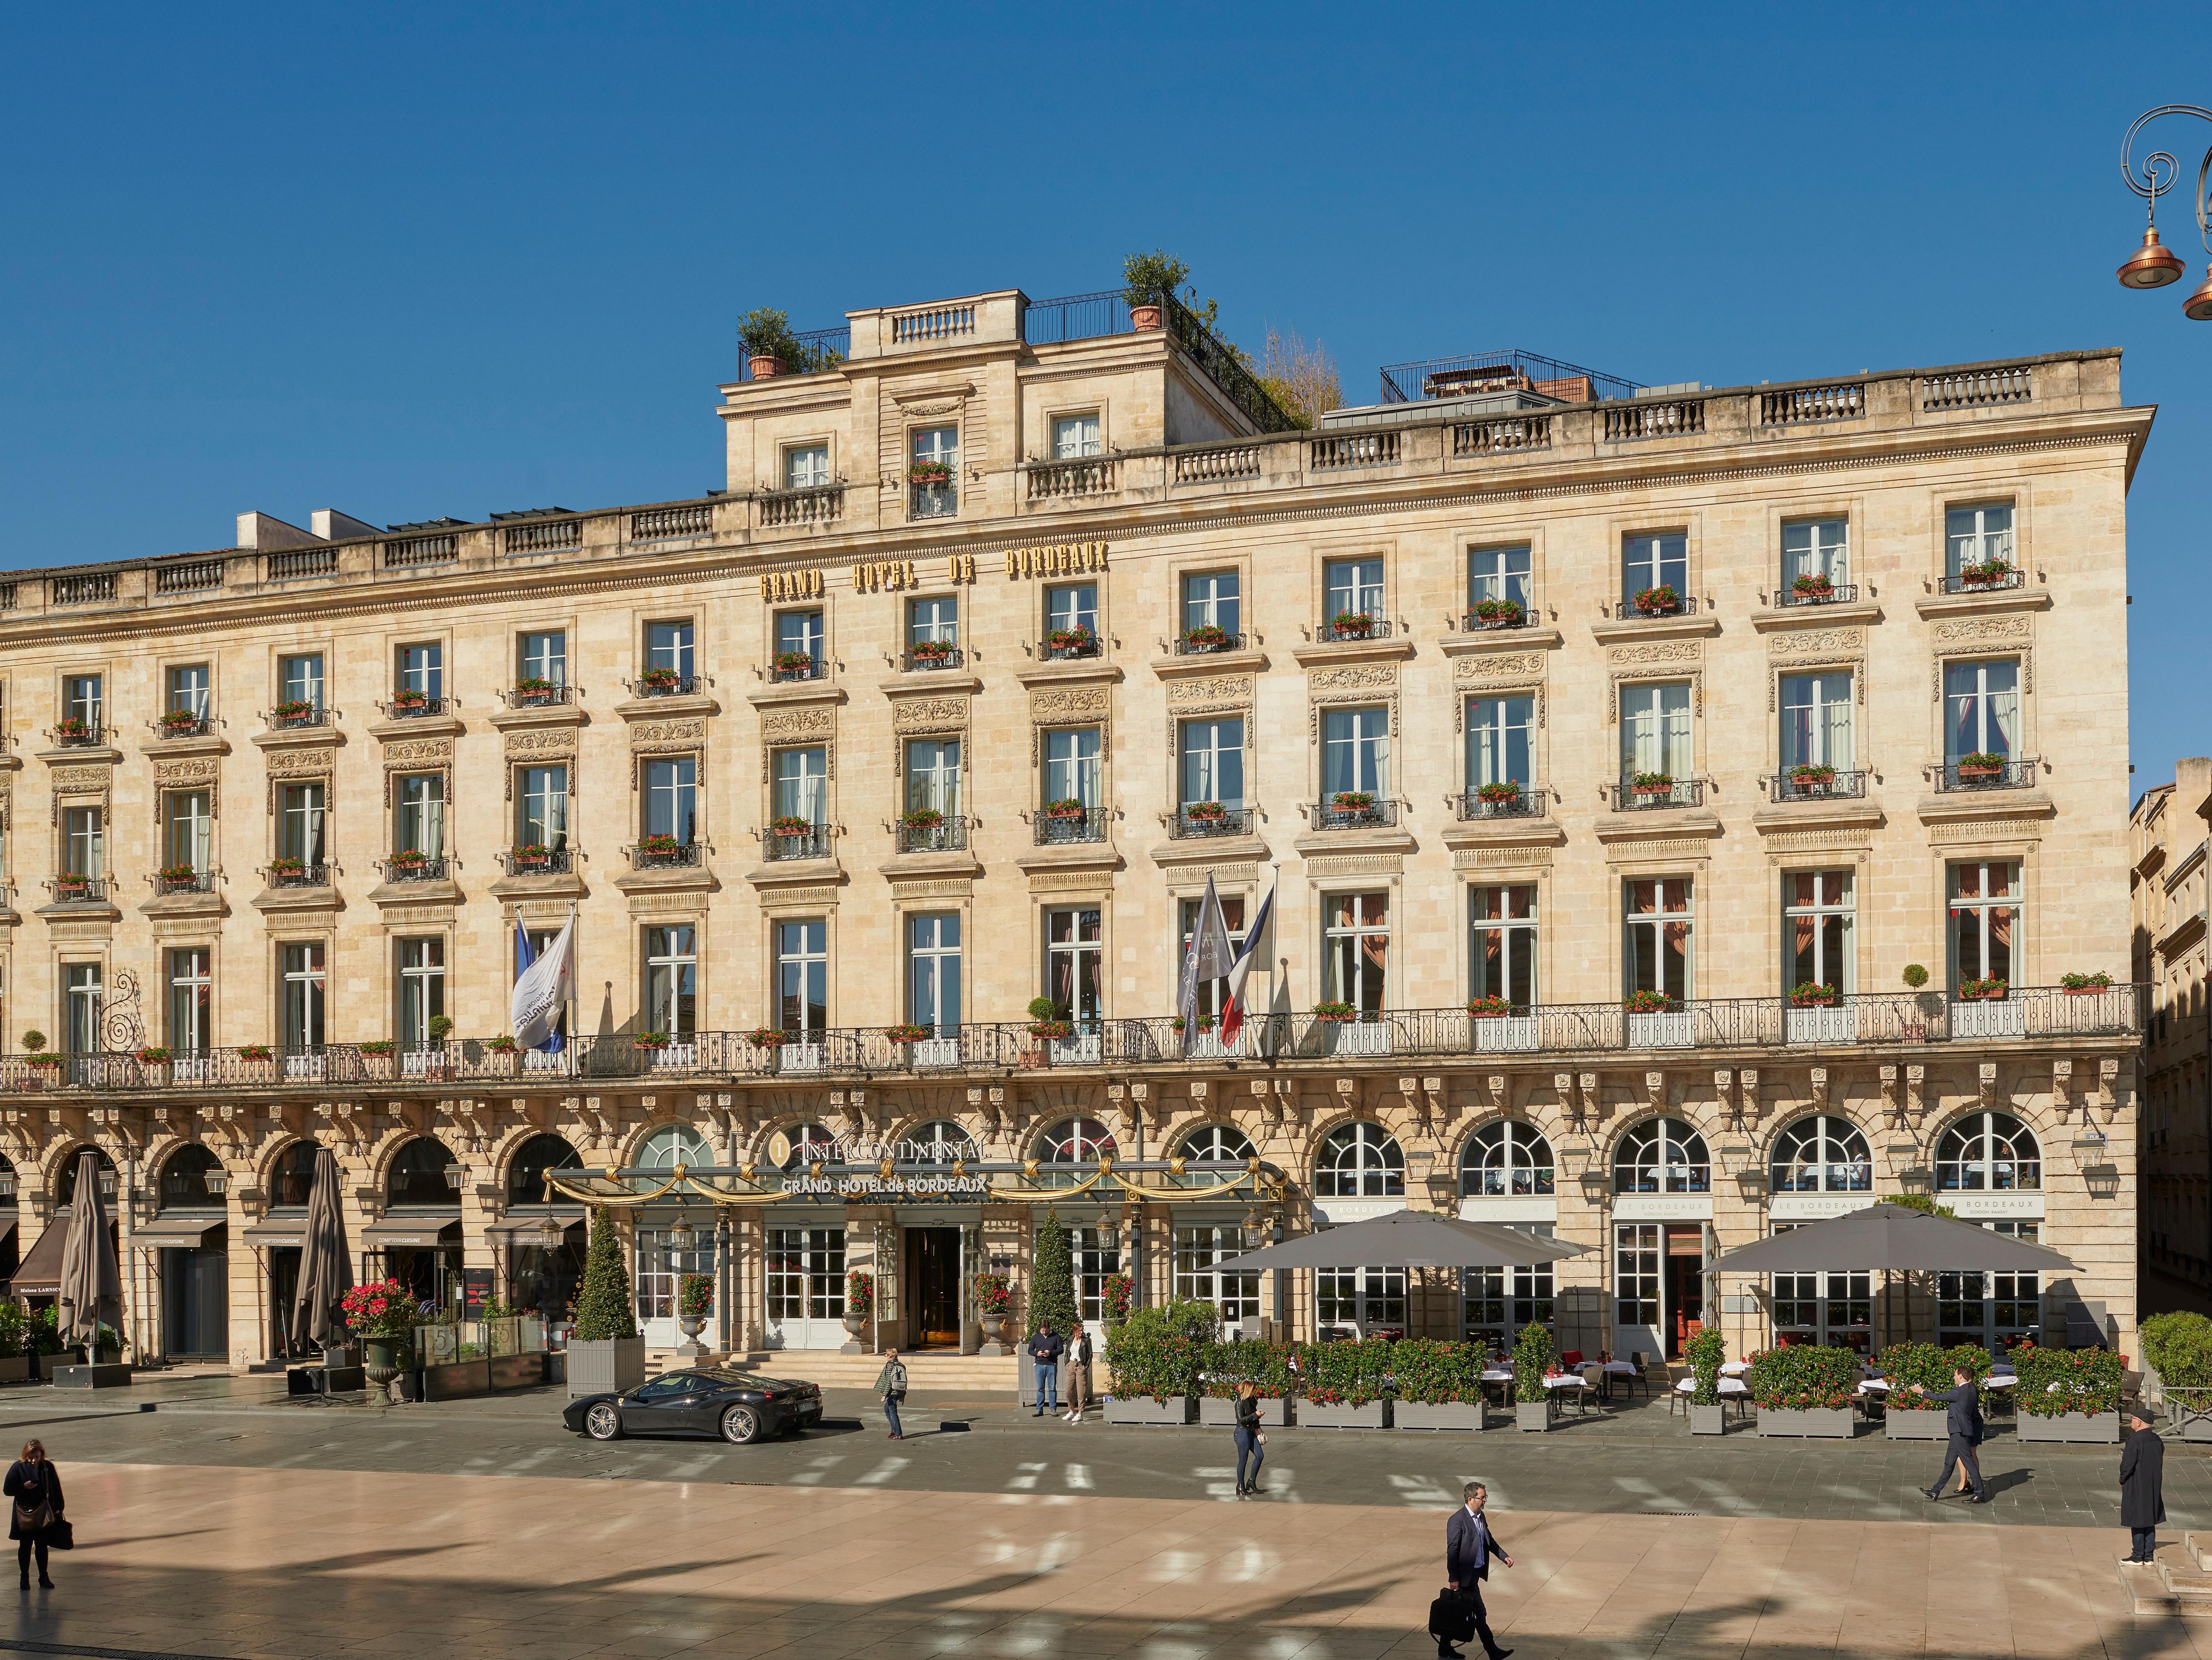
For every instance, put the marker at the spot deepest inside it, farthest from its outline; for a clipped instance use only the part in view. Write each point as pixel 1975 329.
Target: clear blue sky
pixel 410 261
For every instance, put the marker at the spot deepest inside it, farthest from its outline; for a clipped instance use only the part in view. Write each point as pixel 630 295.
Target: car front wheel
pixel 741 1424
pixel 603 1421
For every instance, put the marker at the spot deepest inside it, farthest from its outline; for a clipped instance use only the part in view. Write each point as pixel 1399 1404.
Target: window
pixel 1993 1310
pixel 670 800
pixel 1071 766
pixel 1213 761
pixel 525 1171
pixel 543 657
pixel 1503 960
pixel 1500 1303
pixel 1196 1251
pixel 1506 1160
pixel 1655 561
pixel 1976 536
pixel 418 1179
pixel 675 1143
pixel 1985 921
pixel 1822 1154
pixel 1981 701
pixel 1833 1309
pixel 806 466
pixel 669 646
pixel 1211 600
pixel 933 775
pixel 1356 947
pixel 1655 730
pixel 422 990
pixel 806 1275
pixel 1096 1254
pixel 1210 992
pixel 1658 923
pixel 81 1006
pixel 1360 1160
pixel 82 701
pixel 1362 1300
pixel 937 447
pixel 192 1001
pixel 300 823
pixel 1498 748
pixel 799 631
pixel 1988 1152
pixel 1817 929
pixel 1074 1141
pixel 302 968
pixel 299 679
pixel 189 831
pixel 1498 574
pixel 672 980
pixel 1355 751
pixel 940 1141
pixel 1816 720
pixel 802 785
pixel 84 842
pixel 933 620
pixel 423 669
pixel 292 1178
pixel 1070 606
pixel 802 977
pixel 1072 960
pixel 1219 1143
pixel 423 813
pixel 1662 1155
pixel 184 1179
pixel 1819 548
pixel 1075 436
pixel 190 688
pixel 542 808
pixel 932 946
pixel 1352 586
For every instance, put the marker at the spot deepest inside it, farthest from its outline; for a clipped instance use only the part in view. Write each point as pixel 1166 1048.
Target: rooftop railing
pixel 662 524
pixel 1477 374
pixel 821 349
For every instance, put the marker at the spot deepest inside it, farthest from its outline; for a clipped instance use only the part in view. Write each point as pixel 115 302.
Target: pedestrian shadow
pixel 2007 1480
pixel 106 1543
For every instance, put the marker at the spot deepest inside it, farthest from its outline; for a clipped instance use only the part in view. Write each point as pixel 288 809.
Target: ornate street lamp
pixel 549 1230
pixel 683 1236
pixel 2153 266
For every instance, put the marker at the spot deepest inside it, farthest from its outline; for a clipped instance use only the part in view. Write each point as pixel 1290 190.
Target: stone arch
pixel 787 1123
pixel 1309 1149
pixel 632 1145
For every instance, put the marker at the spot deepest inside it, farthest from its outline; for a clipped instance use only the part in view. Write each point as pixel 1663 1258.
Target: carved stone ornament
pixel 929 715
pixel 793 726
pixel 530 742
pixel 1218 691
pixel 184 775
pixel 1656 653
pixel 314 763
pixel 1057 706
pixel 1818 642
pixel 1980 631
pixel 1359 677
pixel 664 736
pixel 423 752
pixel 86 779
pixel 1500 665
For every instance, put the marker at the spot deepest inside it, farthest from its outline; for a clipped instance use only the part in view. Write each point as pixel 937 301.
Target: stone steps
pixel 2181 1588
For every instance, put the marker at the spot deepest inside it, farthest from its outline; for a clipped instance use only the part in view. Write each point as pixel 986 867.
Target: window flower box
pixel 409 702
pixel 1981 991
pixel 1065 809
pixel 1489 1008
pixel 502 1045
pixel 1499 794
pixel 1652 783
pixel 1981 764
pixel 1076 639
pixel 535 857
pixel 178 721
pixel 1498 613
pixel 908 1033
pixel 292 712
pixel 72 887
pixel 794 662
pixel 1812 777
pixel 409 857
pixel 1206 813
pixel 930 651
pixel 2085 985
pixel 1813 587
pixel 532 689
pixel 651 1040
pixel 1988 572
pixel 72 730
pixel 922 818
pixel 930 473
pixel 285 865
pixel 658 843
pixel 1352 801
pixel 1054 1029
pixel 767 1038
pixel 1647 1002
pixel 1813 995
pixel 1336 1013
pixel 253 1052
pixel 1355 624
pixel 658 680
pixel 1206 636
pixel 1662 601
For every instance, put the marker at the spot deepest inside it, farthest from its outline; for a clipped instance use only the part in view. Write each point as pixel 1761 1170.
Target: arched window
pixel 1505 1159
pixel 940 1141
pixel 1662 1155
pixel 183 1184
pixel 1359 1161
pixel 418 1175
pixel 811 1144
pixel 292 1177
pixel 672 1145
pixel 1822 1154
pixel 1217 1143
pixel 1074 1141
pixel 525 1171
pixel 1987 1151
pixel 65 1183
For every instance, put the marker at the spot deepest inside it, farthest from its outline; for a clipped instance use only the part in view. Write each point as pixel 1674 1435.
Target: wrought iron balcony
pixel 1521 800
pixel 657 683
pixel 2009 773
pixel 1055 829
pixel 677 856
pixel 919 661
pixel 185 723
pixel 947 834
pixel 812 842
pixel 1357 625
pixel 1631 797
pixel 423 869
pixel 79 735
pixel 299 876
pixel 546 862
pixel 1080 642
pixel 409 707
pixel 69 890
pixel 1849 785
pixel 796 665
pixel 538 697
pixel 1500 614
pixel 1190 823
pixel 286 716
pixel 1836 594
pixel 1632 609
pixel 1208 644
pixel 1333 812
pixel 933 501
pixel 198 881
pixel 2012 576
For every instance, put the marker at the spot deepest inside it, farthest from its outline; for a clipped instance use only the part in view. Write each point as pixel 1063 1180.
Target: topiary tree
pixel 1052 1297
pixel 603 1307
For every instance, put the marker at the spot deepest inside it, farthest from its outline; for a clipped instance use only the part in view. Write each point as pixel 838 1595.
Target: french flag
pixel 1233 1008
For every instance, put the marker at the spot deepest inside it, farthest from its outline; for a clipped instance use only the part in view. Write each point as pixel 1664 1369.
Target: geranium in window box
pixel 1498 613
pixel 1662 601
pixel 930 651
pixel 285 865
pixel 71 729
pixel 1808 776
pixel 181 721
pixel 1981 764
pixel 922 818
pixel 1811 994
pixel 532 689
pixel 534 856
pixel 1206 813
pixel 172 877
pixel 651 1040
pixel 1336 1013
pixel 931 473
pixel 1352 801
pixel 410 700
pixel 1067 808
pixel 1652 783
pixel 794 662
pixel 1989 571
pixel 1647 1002
pixel 292 711
pixel 1354 623
pixel 791 824
pixel 907 1032
pixel 657 844
pixel 2082 985
pixel 767 1037
pixel 253 1052
pixel 1075 639
pixel 1810 586
pixel 1490 1007
pixel 1205 1022
pixel 153 1055
pixel 1207 636
pixel 500 1045
pixel 1054 1029
pixel 409 857
pixel 1991 990
pixel 378 1046
pixel 658 679
pixel 72 887
pixel 1499 793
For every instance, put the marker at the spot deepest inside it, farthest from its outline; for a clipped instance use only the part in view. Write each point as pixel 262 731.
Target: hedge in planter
pixel 2068 1395
pixel 1912 1415
pixel 1803 1389
pixel 2178 1347
pixel 1158 1356
pixel 1439 1385
pixel 1341 1384
pixel 606 1351
pixel 1245 1360
pixel 1532 1359
pixel 1706 1352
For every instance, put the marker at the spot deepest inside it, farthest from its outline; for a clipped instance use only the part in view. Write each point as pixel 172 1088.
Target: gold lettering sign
pixel 960 567
pixel 1063 561
pixel 779 586
pixel 878 575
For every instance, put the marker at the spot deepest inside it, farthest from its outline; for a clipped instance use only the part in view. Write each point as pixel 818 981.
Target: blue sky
pixel 415 261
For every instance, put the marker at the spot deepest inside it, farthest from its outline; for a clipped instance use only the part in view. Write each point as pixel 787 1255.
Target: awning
pixel 567 1216
pixel 289 1230
pixel 1410 1239
pixel 183 1233
pixel 406 1233
pixel 41 1274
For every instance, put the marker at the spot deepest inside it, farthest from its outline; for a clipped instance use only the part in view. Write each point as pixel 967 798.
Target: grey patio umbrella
pixel 1408 1239
pixel 325 1264
pixel 91 1284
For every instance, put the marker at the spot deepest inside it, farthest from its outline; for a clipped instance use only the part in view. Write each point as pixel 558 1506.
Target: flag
pixel 1209 957
pixel 541 988
pixel 1232 1008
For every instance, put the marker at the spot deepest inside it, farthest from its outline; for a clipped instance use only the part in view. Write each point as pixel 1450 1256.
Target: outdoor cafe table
pixel 1731 1388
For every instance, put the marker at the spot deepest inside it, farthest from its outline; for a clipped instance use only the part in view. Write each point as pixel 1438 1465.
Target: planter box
pixel 1312 1416
pixel 457 1379
pixel 1834 1423
pixel 15 1369
pixel 518 1371
pixel 2097 1428
pixel 1146 1410
pixel 1441 1415
pixel 1708 1420
pixel 1916 1425
pixel 1222 1414
pixel 106 1374
pixel 1532 1415
pixel 607 1367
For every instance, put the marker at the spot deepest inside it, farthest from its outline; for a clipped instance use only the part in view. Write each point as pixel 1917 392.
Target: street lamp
pixel 2153 266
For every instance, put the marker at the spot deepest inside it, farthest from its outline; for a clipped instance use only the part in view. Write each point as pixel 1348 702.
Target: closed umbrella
pixel 91 1284
pixel 1408 1239
pixel 326 1263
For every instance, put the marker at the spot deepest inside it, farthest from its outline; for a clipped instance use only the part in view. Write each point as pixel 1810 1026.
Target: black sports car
pixel 738 1406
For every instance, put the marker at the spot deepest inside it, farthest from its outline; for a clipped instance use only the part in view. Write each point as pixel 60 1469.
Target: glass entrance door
pixel 1658 1280
pixel 195 1303
pixel 805 1288
pixel 933 1256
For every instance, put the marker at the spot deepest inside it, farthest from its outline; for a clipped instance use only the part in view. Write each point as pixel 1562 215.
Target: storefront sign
pixel 1815 1207
pixel 1510 1208
pixel 1980 1207
pixel 1662 1207
pixel 851 1150
pixel 1065 561
pixel 895 1186
pixel 1331 1212
pixel 778 585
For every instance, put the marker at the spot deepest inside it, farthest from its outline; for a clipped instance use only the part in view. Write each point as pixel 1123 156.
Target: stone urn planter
pixel 380 1360
pixel 1708 1420
pixel 1532 1415
pixel 1898 1426
pixel 1220 1412
pixel 690 1348
pixel 854 1325
pixel 1437 1416
pixel 607 1366
pixel 2095 1428
pixel 1314 1415
pixel 1143 1409
pixel 1832 1423
pixel 994 1333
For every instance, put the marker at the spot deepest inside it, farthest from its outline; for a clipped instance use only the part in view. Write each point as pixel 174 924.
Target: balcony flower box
pixel 408 702
pixel 1336 1013
pixel 2085 985
pixel 173 879
pixel 1662 601
pixel 177 722
pixel 1058 1030
pixel 1489 1008
pixel 1352 624
pixel 908 1033
pixel 930 473
pixel 1206 813
pixel 1981 764
pixel 655 681
pixel 1647 1002
pixel 500 1045
pixel 1066 809
pixel 930 651
pixel 1352 801
pixel 72 887
pixel 532 689
pixel 255 1052
pixel 1652 783
pixel 1813 587
pixel 2096 1428
pixel 1205 1023
pixel 69 729
pixel 1206 636
pixel 1988 572
pixel 1981 991
pixel 1812 777
pixel 292 712
pixel 789 663
pixel 535 857
pixel 659 846
pixel 922 818
pixel 1811 995
pixel 1501 793
pixel 1834 1423
pixel 284 865
pixel 1498 613
pixel 767 1038
pixel 651 1040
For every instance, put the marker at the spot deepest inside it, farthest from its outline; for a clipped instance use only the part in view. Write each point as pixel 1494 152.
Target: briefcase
pixel 1451 1617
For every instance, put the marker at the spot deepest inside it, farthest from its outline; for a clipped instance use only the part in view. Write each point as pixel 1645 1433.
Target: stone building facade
pixel 997 647
pixel 2171 900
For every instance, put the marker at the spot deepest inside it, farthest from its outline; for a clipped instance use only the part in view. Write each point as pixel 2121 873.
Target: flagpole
pixel 568 1037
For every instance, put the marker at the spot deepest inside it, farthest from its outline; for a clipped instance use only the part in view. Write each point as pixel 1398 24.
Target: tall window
pixel 1071 766
pixel 799 631
pixel 422 668
pixel 1655 561
pixel 299 679
pixel 933 619
pixel 937 446
pixel 1822 1154
pixel 672 798
pixel 300 823
pixel 1075 436
pixel 802 976
pixel 84 842
pixel 544 656
pixel 1353 586
pixel 1096 1256
pixel 1502 1303
pixel 1981 702
pixel 542 808
pixel 932 966
pixel 1662 1155
pixel 1816 720
pixel 1074 1141
pixel 1213 761
pixel 82 992
pixel 669 646
pixel 1499 749
pixel 1503 960
pixel 1818 548
pixel 1360 1160
pixel 82 700
pixel 1817 928
pixel 1360 1299
pixel 1219 1143
pixel 1355 751
pixel 1655 730
pixel 1833 1309
pixel 303 995
pixel 1072 960
pixel 1976 536
pixel 422 990
pixel 1210 992
pixel 1356 947
pixel 190 689
pixel 190 829
pixel 933 775
pixel 1985 913
pixel 802 784
pixel 1498 574
pixel 806 466
pixel 1212 599
pixel 1505 1159
pixel 423 813
pixel 1988 1152
pixel 192 1001
pixel 1070 605
pixel 1993 1310
pixel 672 980
pixel 1197 1249
pixel 1658 923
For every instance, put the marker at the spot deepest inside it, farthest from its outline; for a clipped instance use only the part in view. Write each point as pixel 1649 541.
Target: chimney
pixel 335 526
pixel 263 534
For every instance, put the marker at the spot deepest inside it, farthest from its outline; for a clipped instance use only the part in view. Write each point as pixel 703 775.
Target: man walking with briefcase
pixel 1457 1614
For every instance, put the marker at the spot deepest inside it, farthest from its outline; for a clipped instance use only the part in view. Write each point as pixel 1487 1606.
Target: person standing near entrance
pixel 1963 1423
pixel 36 1488
pixel 1075 1373
pixel 1469 1544
pixel 2142 1487
pixel 890 1384
pixel 1046 1347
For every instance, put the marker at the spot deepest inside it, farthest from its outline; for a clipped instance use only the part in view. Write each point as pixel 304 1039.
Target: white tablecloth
pixel 1735 1368
pixel 1620 1368
pixel 1496 1375
pixel 1728 1386
pixel 1569 1383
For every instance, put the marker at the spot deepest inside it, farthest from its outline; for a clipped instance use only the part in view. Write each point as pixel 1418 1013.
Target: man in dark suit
pixel 2142 1487
pixel 1963 1422
pixel 1469 1544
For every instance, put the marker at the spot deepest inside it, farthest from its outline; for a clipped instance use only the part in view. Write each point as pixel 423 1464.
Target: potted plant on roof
pixel 605 1354
pixel 1660 601
pixel 859 1308
pixel 292 712
pixel 1804 1389
pixel 1352 624
pixel 1811 777
pixel 1206 636
pixel 1706 1351
pixel 1498 613
pixel 1811 994
pixel 1148 280
pixel 1812 585
pixel 794 664
pixel 2085 985
pixel 1532 1365
pixel 1980 764
pixel 764 336
pixel 176 723
pixel 1646 785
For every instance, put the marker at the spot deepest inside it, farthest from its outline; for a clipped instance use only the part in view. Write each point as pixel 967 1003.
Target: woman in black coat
pixel 35 1486
pixel 2142 1487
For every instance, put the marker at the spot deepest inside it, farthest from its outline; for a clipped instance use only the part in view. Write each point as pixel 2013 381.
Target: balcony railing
pixel 1075 317
pixel 198 881
pixel 1188 825
pixel 1836 594
pixel 1804 405
pixel 1054 829
pixel 1330 813
pixel 184 723
pixel 683 856
pixel 1070 481
pixel 79 890
pixel 1086 644
pixel 673 685
pixel 1184 645
pixel 1632 797
pixel 1526 802
pixel 538 697
pixel 2012 774
pixel 553 862
pixel 290 564
pixel 1628 611
pixel 665 524
pixel 1353 449
pixel 97 588
pixel 913 662
pixel 1678 417
pixel 304 876
pixel 1840 786
pixel 1328 630
pixel 2012 576
pixel 812 842
pixel 815 504
pixel 1502 614
pixel 313 715
pixel 1503 436
pixel 933 501
pixel 91 736
pixel 949 834
pixel 413 708
pixel 819 349
pixel 414 870
pixel 812 669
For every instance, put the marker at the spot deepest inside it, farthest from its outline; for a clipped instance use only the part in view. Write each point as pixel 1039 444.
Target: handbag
pixel 30 1524
pixel 60 1535
pixel 1452 1617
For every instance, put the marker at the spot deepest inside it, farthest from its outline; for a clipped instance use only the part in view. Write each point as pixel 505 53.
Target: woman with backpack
pixel 890 1384
pixel 36 1488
